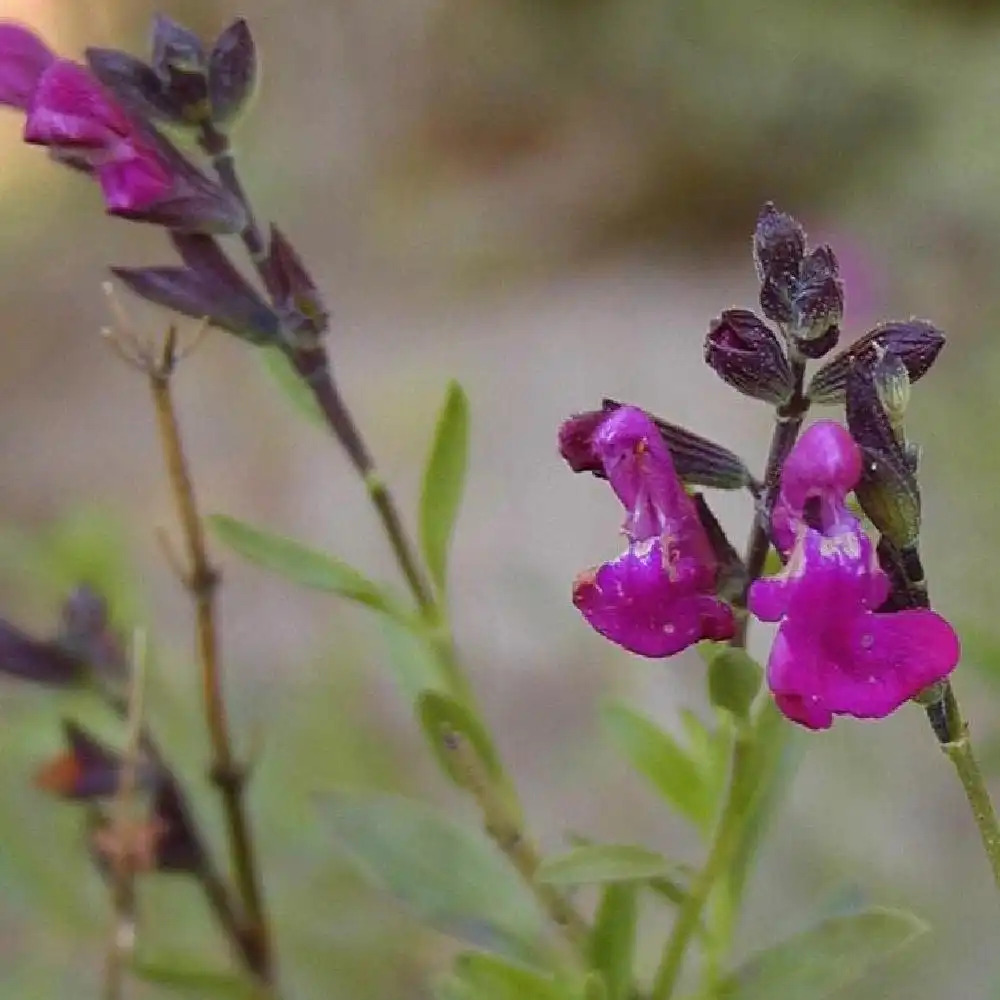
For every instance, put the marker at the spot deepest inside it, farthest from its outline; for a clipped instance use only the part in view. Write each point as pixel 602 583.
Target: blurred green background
pixel 549 200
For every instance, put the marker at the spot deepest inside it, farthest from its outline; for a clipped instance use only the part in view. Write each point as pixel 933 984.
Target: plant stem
pixel 945 715
pixel 504 825
pixel 724 842
pixel 201 582
pixel 958 749
pixel 500 817
pixel 729 827
pixel 313 366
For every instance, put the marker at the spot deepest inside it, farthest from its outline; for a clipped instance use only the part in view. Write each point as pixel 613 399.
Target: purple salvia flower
pixel 833 654
pixel 140 174
pixel 24 57
pixel 659 596
pixel 72 115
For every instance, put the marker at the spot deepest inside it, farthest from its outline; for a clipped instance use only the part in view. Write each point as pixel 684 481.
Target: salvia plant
pixel 832 559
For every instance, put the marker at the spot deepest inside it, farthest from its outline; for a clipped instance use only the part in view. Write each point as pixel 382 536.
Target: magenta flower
pixel 834 654
pixel 24 57
pixel 141 175
pixel 72 115
pixel 658 597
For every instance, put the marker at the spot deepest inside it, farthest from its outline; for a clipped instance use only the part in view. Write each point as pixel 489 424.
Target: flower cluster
pixel 834 652
pixel 855 633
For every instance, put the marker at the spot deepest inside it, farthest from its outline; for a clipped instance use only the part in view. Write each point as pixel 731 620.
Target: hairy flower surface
pixel 658 597
pixel 833 654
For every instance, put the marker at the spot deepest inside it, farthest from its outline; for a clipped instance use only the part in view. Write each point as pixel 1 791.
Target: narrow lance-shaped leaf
pixel 817 962
pixel 659 759
pixel 175 974
pixel 302 565
pixel 451 876
pixel 596 863
pixel 611 946
pixel 486 977
pixel 444 482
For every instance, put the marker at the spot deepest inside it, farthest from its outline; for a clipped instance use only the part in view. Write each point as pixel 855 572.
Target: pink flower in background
pixel 24 57
pixel 833 653
pixel 141 176
pixel 69 112
pixel 658 597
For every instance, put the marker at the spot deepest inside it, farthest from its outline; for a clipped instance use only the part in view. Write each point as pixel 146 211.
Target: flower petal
pixel 825 460
pixel 649 606
pixel 69 108
pixel 638 465
pixel 133 182
pixel 894 657
pixel 806 712
pixel 24 57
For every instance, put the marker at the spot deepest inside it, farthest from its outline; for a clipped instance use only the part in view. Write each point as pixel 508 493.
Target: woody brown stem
pixel 201 582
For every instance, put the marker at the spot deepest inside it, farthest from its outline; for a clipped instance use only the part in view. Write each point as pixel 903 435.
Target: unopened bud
pixel 746 354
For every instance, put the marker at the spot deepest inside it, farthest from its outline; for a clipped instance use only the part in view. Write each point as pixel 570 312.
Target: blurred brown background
pixel 549 200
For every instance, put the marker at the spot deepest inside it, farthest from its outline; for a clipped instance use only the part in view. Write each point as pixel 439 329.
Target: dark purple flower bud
pixel 698 461
pixel 298 296
pixel 887 491
pixel 33 660
pixel 659 596
pixel 817 304
pixel 134 85
pixel 208 287
pixel 747 354
pixel 915 342
pixel 179 847
pixel 175 47
pixel 779 244
pixel 833 653
pixel 24 57
pixel 180 63
pixel 232 72
pixel 89 769
pixel 87 633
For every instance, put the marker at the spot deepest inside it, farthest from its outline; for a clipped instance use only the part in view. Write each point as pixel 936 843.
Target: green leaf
pixel 709 749
pixel 304 566
pixel 203 983
pixel 275 362
pixel 734 678
pixel 414 664
pixel 659 758
pixel 440 716
pixel 611 946
pixel 484 976
pixel 451 876
pixel 777 751
pixel 444 482
pixel 819 961
pixel 605 863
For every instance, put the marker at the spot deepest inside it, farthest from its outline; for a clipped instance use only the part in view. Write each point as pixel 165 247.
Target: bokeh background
pixel 549 200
